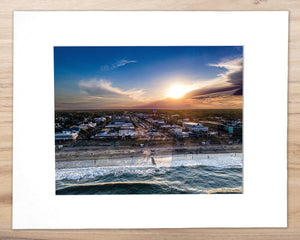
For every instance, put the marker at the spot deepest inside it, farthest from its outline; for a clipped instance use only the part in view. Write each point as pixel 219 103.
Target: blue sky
pixel 133 77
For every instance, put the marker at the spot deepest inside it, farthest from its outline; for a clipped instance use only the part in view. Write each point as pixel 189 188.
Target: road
pixel 95 153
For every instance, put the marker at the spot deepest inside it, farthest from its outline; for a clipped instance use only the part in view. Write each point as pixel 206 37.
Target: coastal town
pixel 109 134
pixel 148 120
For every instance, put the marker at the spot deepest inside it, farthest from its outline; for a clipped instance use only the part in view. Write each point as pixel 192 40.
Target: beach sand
pixel 147 160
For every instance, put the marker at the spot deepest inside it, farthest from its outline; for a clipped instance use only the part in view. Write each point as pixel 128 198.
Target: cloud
pixel 117 64
pixel 206 102
pixel 121 63
pixel 103 88
pixel 230 82
pixel 233 64
pixel 200 93
pixel 234 74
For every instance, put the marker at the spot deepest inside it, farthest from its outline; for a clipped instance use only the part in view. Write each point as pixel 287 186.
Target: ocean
pixel 177 174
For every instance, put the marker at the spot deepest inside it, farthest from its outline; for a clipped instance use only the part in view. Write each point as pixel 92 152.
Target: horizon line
pixel 98 109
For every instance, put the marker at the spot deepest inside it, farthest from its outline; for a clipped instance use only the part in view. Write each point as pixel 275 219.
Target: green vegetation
pixel 201 114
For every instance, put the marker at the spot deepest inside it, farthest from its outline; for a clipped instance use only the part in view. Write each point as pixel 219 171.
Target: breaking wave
pixel 144 167
pixel 214 175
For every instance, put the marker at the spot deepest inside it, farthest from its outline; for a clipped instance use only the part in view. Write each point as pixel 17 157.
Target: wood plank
pixel 6 43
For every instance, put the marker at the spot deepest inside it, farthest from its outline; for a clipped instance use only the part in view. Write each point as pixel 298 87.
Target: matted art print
pixel 150 119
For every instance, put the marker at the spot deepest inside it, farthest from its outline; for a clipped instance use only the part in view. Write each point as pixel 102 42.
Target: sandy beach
pixel 97 153
pixel 147 160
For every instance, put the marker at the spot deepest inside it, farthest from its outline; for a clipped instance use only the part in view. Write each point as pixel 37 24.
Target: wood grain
pixel 6 83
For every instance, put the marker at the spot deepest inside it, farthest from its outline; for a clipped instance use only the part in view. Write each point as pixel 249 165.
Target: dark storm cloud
pixel 198 93
pixel 231 80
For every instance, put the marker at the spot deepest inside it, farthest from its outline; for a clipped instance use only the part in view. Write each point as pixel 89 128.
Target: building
pixel 170 126
pixel 158 122
pixel 65 136
pixel 120 125
pixel 106 134
pixel 177 131
pixel 161 122
pixel 234 130
pixel 195 127
pixel 128 133
pixel 88 125
pixel 100 120
pixel 215 125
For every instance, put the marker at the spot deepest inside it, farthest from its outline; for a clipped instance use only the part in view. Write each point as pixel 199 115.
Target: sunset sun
pixel 176 91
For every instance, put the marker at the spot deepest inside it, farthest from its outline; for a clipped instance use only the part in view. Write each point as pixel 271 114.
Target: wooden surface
pixel 6 84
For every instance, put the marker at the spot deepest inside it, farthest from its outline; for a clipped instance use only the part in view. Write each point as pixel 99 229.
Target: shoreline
pixel 168 160
pixel 96 153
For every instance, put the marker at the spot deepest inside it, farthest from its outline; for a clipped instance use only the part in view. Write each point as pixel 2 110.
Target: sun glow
pixel 176 91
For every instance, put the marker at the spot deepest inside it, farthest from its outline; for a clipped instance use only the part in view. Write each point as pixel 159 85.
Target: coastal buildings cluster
pixel 156 125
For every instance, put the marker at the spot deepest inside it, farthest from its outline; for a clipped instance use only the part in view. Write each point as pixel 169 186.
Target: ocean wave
pixel 225 190
pixel 138 188
pixel 180 174
pixel 121 188
pixel 93 172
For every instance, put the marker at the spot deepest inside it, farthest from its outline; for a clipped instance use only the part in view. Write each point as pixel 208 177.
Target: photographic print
pixel 150 123
pixel 148 120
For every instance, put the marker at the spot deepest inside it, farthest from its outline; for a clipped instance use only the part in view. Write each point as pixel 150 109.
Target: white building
pixel 128 133
pixel 177 131
pixel 66 136
pixel 88 125
pixel 195 127
pixel 105 133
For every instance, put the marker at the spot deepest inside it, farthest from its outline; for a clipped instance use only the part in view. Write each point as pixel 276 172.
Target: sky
pixel 199 77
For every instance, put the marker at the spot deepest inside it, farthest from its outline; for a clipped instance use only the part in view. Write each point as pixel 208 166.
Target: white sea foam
pixel 143 166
